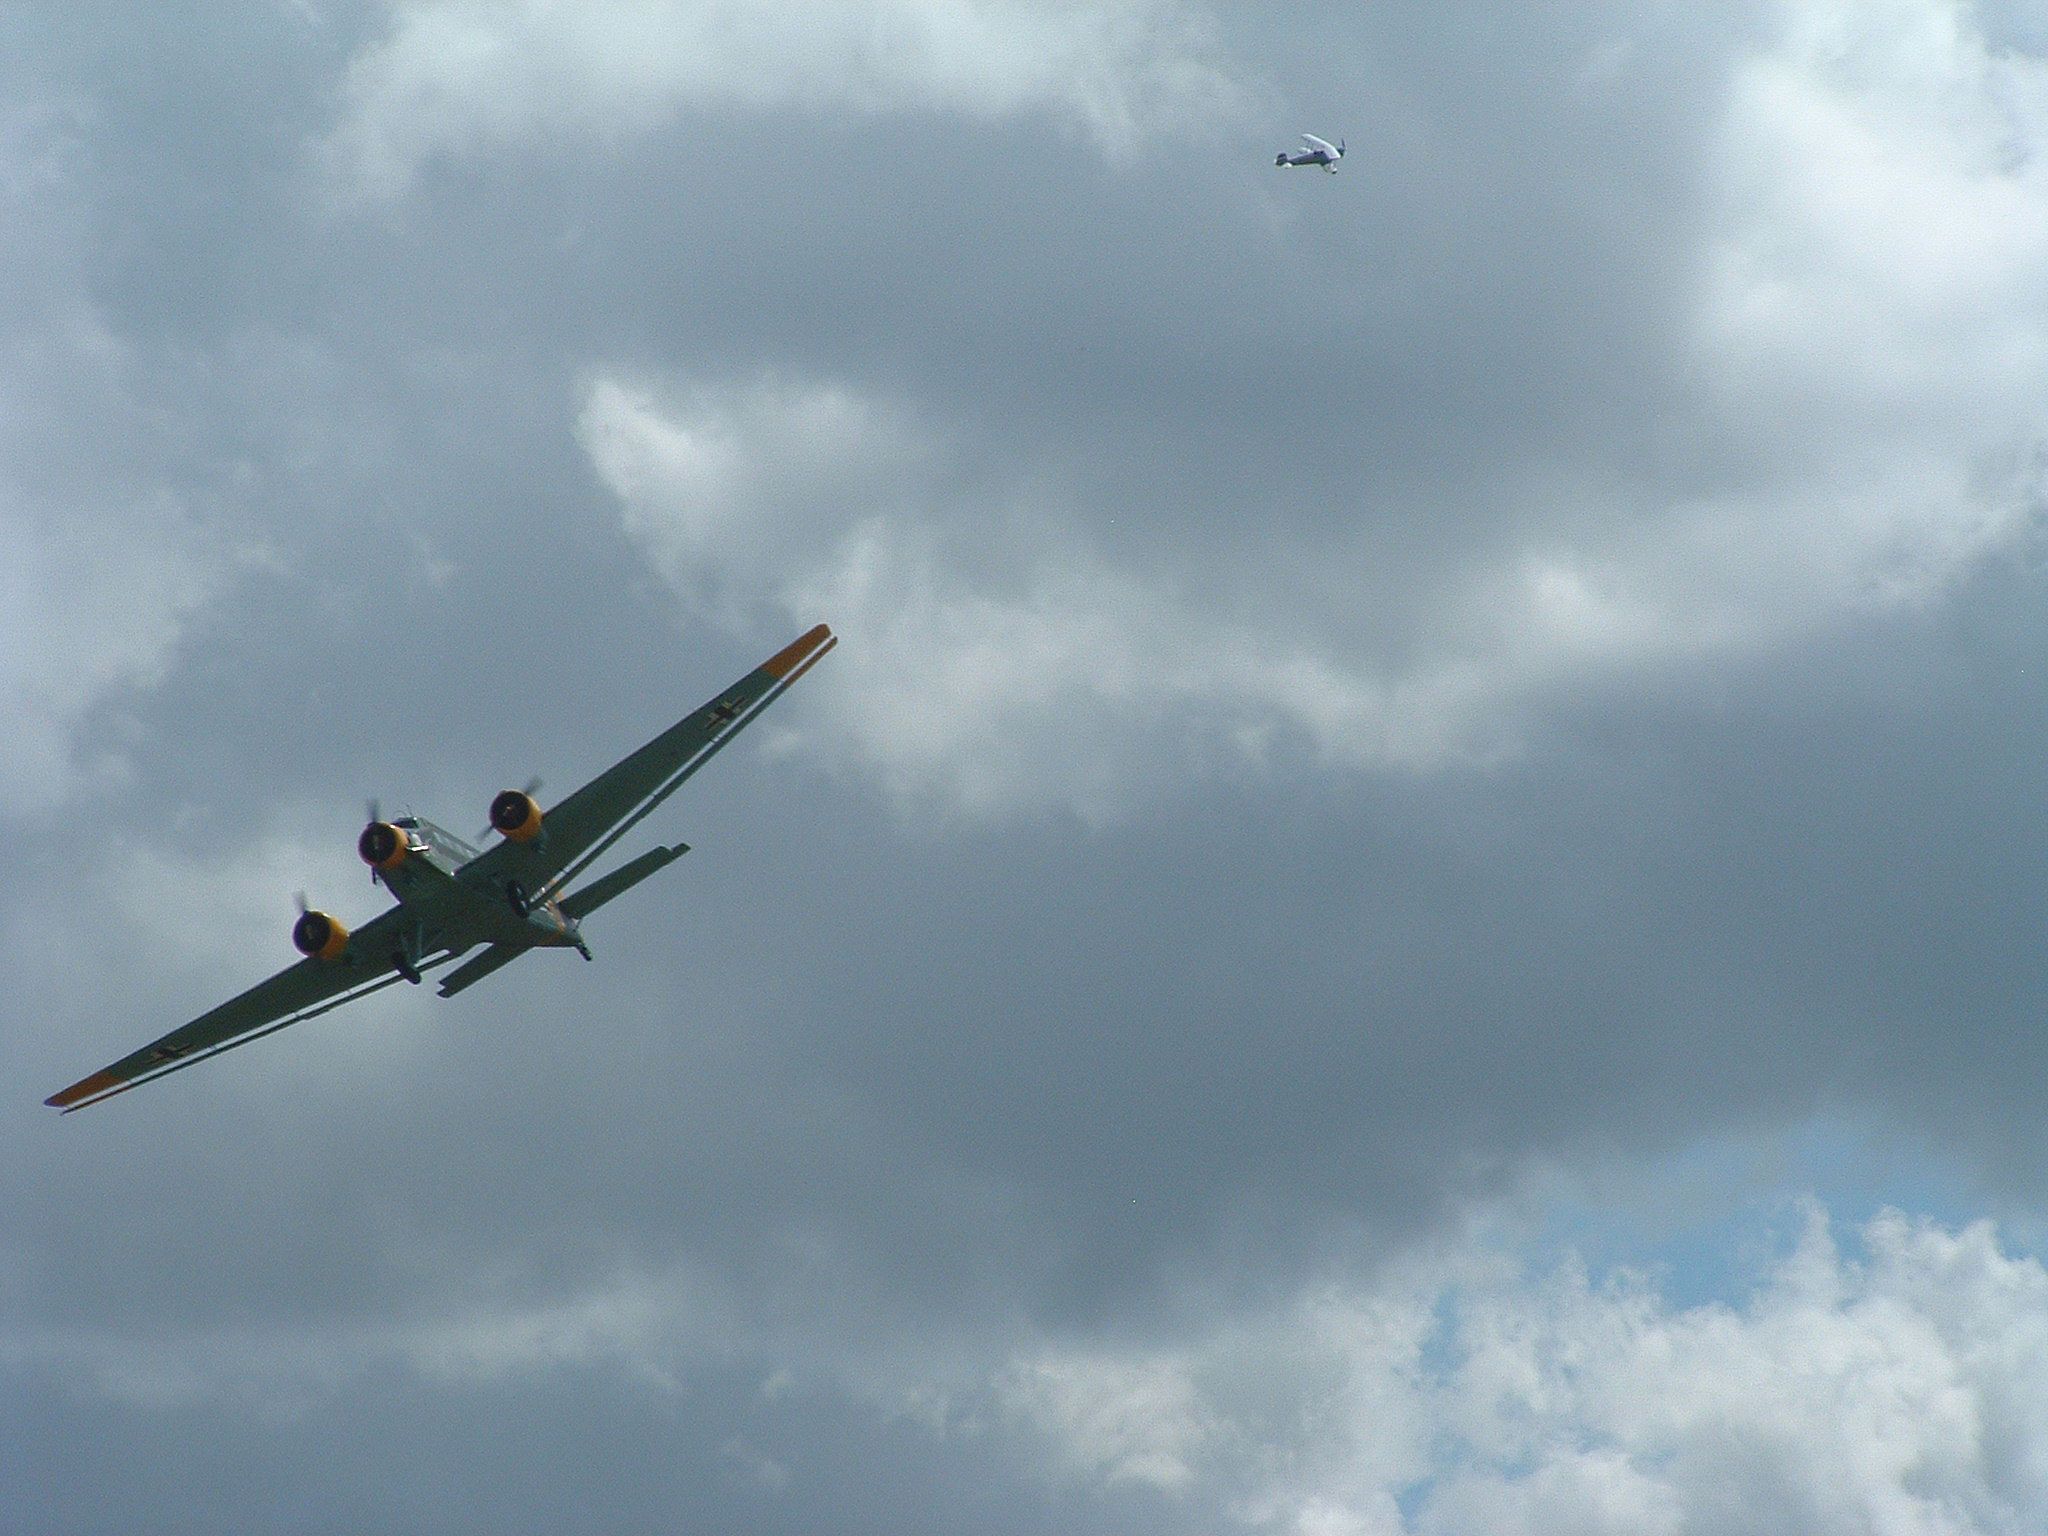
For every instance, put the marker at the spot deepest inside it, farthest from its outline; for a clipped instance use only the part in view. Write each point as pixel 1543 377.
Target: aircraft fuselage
pixel 455 913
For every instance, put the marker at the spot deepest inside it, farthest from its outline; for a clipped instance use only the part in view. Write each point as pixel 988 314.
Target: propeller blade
pixel 531 790
pixel 374 810
pixel 299 901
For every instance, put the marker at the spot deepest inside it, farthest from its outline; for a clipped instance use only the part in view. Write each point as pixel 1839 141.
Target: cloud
pixel 1898 1389
pixel 996 659
pixel 1120 1420
pixel 628 1327
pixel 1874 279
pixel 107 559
pixel 744 480
pixel 451 77
pixel 82 618
pixel 1881 207
pixel 1851 424
pixel 1672 400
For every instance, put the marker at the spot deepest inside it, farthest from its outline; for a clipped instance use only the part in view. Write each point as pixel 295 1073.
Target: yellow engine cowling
pixel 515 814
pixel 319 936
pixel 383 846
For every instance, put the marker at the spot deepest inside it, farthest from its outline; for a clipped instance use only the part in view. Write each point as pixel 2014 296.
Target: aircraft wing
pixel 1323 146
pixel 582 826
pixel 294 993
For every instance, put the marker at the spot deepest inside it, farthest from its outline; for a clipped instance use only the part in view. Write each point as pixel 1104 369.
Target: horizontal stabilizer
pixel 477 967
pixel 580 904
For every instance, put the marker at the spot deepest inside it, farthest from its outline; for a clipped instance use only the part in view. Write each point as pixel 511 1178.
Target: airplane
pixel 452 896
pixel 1319 152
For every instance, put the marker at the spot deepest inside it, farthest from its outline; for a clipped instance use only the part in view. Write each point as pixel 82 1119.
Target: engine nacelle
pixel 383 846
pixel 319 936
pixel 515 814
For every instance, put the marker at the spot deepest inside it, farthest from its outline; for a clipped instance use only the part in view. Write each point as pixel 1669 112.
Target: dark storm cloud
pixel 992 1013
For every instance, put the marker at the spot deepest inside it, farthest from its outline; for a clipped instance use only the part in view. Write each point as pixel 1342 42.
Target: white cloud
pixel 633 1325
pixel 732 482
pixel 454 76
pixel 1884 209
pixel 1901 1390
pixel 1120 1420
pixel 1876 281
pixel 93 599
pixel 208 905
pixel 1868 344
pixel 996 660
pixel 993 659
pixel 105 564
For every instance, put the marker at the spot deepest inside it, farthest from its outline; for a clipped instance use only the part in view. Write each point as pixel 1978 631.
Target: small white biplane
pixel 1315 151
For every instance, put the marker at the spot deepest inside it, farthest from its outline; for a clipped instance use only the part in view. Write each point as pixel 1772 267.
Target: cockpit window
pixel 409 823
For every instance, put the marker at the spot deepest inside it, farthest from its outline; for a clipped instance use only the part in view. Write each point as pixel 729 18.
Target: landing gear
pixel 410 949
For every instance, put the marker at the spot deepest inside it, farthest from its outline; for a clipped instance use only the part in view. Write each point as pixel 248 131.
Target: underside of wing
pixel 588 821
pixel 295 993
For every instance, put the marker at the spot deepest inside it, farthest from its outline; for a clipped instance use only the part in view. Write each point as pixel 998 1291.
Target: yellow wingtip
pixel 786 660
pixel 87 1088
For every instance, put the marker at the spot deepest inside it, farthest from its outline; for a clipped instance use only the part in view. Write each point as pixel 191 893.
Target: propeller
pixel 530 789
pixel 314 932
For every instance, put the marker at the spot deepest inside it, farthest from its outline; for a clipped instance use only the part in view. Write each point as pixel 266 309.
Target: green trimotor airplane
pixel 453 897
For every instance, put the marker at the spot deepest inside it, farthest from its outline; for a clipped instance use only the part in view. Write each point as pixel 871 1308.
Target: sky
pixel 1412 902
